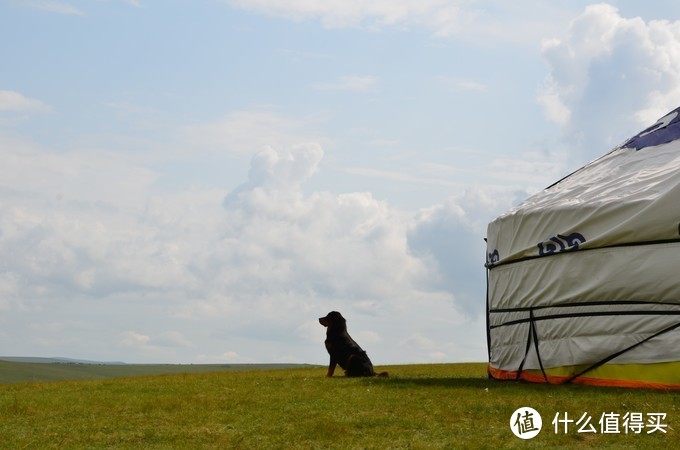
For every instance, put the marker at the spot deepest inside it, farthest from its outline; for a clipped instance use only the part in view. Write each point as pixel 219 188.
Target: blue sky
pixel 200 181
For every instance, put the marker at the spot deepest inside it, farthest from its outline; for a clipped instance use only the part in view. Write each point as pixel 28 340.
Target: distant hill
pixel 54 360
pixel 26 369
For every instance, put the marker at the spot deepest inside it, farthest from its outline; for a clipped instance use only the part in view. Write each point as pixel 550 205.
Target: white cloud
pixel 164 344
pixel 335 246
pixel 96 236
pixel 369 337
pixel 284 169
pixel 449 238
pixel 611 77
pixel 246 273
pixel 133 339
pixel 11 101
pixel 460 84
pixel 471 85
pixel 110 177
pixel 553 106
pixel 443 16
pixel 311 331
pixel 349 83
pixel 172 339
pixel 420 341
pixel 402 177
pixel 248 132
pixel 53 6
pixel 478 21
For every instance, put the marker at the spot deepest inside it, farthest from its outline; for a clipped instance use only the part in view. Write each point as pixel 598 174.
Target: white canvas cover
pixel 585 273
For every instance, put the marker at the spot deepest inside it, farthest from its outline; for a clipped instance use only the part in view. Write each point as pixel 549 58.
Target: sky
pixel 200 181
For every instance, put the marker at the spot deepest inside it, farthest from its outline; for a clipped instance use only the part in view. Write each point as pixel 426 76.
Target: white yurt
pixel 584 277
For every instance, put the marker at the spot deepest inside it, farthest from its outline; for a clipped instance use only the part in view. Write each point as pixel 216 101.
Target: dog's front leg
pixel 331 367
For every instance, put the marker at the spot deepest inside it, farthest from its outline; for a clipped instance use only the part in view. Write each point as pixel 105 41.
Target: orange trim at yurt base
pixel 653 376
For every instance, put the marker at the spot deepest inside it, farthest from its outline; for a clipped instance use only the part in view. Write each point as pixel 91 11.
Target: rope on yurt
pixel 619 353
pixel 488 322
pixel 526 352
pixel 532 337
pixel 535 335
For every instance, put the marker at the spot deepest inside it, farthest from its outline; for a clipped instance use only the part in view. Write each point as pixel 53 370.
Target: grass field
pixel 422 406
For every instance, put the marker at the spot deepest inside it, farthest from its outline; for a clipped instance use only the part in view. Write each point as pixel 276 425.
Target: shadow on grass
pixel 480 383
pixel 449 382
pixel 510 385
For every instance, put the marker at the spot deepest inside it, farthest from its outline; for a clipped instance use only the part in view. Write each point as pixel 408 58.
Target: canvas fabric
pixel 586 271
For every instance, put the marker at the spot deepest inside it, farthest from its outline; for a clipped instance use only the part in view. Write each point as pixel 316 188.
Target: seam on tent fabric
pixel 591 314
pixel 581 249
pixel 574 305
pixel 619 353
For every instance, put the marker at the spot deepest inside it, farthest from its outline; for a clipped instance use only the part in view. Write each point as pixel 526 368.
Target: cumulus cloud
pixel 85 224
pixel 230 276
pixel 450 238
pixel 348 246
pixel 611 77
pixel 11 101
pixel 284 169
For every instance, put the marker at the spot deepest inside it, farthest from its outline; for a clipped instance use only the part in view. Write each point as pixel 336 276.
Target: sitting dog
pixel 344 351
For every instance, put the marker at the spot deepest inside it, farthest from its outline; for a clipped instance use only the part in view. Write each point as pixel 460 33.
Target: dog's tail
pixel 382 374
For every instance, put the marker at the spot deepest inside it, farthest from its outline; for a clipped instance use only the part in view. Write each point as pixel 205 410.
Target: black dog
pixel 344 351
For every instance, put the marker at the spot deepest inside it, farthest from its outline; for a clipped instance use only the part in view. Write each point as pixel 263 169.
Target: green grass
pixel 424 406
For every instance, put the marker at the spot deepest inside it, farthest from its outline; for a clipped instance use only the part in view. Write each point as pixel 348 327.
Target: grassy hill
pixel 55 370
pixel 423 406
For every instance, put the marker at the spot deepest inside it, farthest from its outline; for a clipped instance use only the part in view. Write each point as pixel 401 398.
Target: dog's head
pixel 332 319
